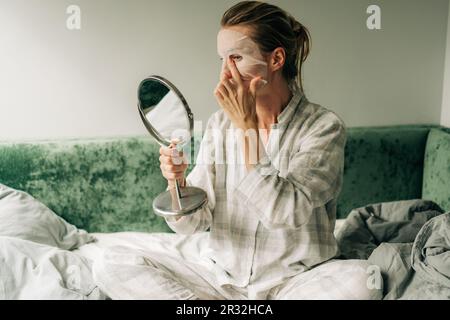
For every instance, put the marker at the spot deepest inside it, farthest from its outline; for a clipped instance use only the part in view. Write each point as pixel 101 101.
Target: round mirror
pixel 165 110
pixel 167 117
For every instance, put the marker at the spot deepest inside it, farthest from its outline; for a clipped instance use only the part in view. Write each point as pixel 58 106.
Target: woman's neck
pixel 271 102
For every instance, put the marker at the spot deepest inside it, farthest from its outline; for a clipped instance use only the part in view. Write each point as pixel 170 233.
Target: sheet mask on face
pixel 250 63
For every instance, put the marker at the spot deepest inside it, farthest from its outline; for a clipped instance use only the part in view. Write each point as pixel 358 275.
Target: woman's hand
pixel 237 99
pixel 173 166
pixel 239 103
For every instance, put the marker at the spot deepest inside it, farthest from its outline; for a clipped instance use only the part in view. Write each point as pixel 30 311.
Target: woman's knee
pixel 112 261
pixel 363 279
pixel 335 280
pixel 350 280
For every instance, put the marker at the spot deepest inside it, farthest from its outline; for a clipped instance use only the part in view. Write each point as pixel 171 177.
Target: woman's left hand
pixel 238 100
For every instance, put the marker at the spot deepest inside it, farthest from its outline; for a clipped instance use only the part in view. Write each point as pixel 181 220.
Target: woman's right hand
pixel 173 165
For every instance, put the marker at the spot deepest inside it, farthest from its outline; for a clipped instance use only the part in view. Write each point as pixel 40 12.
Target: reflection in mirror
pixel 165 111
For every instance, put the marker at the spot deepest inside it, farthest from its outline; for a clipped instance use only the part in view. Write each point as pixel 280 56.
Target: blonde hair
pixel 272 28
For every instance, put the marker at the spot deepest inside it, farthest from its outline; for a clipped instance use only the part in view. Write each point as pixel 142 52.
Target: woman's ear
pixel 277 59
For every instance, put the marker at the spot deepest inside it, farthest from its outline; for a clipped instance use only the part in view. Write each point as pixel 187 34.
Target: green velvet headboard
pixel 382 164
pixel 99 185
pixel 436 178
pixel 106 185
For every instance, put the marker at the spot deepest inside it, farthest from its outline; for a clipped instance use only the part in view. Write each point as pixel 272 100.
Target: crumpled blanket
pixel 430 258
pixel 408 240
pixel 395 222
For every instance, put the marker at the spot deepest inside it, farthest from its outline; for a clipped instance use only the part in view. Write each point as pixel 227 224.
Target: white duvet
pixel 35 257
pixel 44 257
pixel 30 270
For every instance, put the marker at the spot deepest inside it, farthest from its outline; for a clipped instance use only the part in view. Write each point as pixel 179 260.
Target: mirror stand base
pixel 192 199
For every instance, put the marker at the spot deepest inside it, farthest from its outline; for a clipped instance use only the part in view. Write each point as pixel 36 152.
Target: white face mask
pixel 248 58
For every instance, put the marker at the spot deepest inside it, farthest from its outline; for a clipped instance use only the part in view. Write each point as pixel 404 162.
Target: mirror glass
pixel 165 110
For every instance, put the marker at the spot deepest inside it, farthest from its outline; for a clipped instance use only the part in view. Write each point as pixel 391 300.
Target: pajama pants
pixel 170 266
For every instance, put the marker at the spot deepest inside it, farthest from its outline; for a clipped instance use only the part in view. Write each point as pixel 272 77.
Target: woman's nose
pixel 225 70
pixel 224 66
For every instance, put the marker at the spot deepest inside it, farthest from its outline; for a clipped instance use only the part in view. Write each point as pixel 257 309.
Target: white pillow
pixel 24 217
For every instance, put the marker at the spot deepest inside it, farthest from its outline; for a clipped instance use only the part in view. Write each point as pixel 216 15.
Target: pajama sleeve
pixel 314 177
pixel 202 176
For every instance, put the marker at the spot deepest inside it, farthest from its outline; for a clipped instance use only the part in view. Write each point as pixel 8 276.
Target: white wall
pixel 445 118
pixel 60 83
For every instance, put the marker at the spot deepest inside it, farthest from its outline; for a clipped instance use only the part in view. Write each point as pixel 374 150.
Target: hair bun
pixel 296 26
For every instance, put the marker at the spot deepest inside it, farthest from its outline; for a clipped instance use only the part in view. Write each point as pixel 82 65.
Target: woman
pixel 271 200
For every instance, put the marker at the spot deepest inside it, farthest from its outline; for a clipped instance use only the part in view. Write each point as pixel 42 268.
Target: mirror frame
pixel 160 139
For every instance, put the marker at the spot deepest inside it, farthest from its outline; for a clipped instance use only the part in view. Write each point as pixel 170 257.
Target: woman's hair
pixel 272 28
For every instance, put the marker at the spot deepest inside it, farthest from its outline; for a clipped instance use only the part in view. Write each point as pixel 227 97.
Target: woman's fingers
pixel 221 92
pixel 234 71
pixel 173 176
pixel 171 163
pixel 256 84
pixel 166 151
pixel 224 75
pixel 172 172
pixel 218 96
pixel 166 160
pixel 229 87
pixel 170 152
pixel 167 167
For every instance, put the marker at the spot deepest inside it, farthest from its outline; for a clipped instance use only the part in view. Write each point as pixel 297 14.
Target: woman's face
pixel 236 42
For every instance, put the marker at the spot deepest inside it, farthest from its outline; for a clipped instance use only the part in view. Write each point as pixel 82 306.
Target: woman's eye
pixel 236 57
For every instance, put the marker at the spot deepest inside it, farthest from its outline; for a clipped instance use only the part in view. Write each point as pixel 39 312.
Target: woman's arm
pixel 202 176
pixel 314 178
